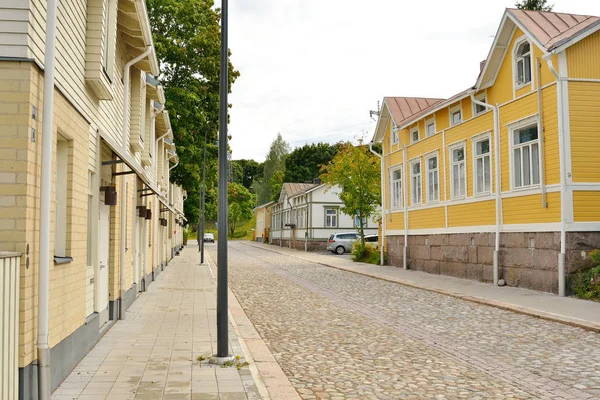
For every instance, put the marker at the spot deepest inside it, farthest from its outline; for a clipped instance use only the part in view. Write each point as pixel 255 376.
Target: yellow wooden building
pixel 501 182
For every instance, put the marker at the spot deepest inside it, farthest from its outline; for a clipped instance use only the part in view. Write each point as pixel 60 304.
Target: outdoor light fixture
pixel 110 195
pixel 163 222
pixel 141 211
pixel 148 213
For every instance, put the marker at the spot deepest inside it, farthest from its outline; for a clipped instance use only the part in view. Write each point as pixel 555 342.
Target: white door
pixel 103 257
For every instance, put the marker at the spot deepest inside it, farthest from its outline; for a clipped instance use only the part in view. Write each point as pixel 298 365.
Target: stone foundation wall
pixel 298 244
pixel 528 260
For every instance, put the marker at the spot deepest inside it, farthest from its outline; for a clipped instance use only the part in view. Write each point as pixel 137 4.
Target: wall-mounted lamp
pixel 110 195
pixel 141 211
pixel 148 213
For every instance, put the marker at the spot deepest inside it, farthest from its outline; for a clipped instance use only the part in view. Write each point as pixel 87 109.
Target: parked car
pixel 341 243
pixel 372 241
pixel 209 237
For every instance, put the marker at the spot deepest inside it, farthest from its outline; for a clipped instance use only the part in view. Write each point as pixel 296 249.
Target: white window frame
pixel 413 130
pixel 61 216
pixel 428 177
pixel 453 110
pixel 512 128
pixel 518 85
pixel 328 222
pixel 356 222
pixel 394 133
pixel 451 149
pixel 412 185
pixel 392 204
pixel 428 123
pixel 480 97
pixel 476 139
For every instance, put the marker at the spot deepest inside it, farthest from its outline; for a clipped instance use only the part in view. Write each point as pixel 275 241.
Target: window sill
pixel 62 260
pixel 522 85
pixel 523 188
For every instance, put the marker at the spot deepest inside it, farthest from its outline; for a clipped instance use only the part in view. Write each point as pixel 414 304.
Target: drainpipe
pixel 405 199
pixel 382 202
pixel 43 348
pixel 563 183
pixel 496 111
pixel 126 105
pixel 541 131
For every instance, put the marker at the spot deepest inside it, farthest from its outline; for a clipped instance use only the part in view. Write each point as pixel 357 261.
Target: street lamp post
pixel 202 192
pixel 222 307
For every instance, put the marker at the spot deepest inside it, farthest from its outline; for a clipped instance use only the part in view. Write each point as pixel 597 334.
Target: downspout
pixel 382 202
pixel 563 183
pixel 292 231
pixel 405 199
pixel 126 105
pixel 43 348
pixel 496 111
pixel 541 133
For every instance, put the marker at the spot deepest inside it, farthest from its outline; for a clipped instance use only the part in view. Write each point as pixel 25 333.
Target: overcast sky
pixel 312 69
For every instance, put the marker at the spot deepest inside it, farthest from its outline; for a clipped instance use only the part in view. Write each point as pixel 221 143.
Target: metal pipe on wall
pixel 43 348
pixel 382 167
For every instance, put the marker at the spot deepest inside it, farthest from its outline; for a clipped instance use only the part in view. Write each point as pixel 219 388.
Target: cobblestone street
pixel 339 335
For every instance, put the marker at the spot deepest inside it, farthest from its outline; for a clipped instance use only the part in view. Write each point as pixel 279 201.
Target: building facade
pixel 500 181
pixel 116 219
pixel 263 222
pixel 307 214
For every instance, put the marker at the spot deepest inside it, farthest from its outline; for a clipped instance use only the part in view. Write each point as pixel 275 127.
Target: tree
pixel 241 202
pixel 273 169
pixel 536 5
pixel 187 40
pixel 357 171
pixel 245 172
pixel 303 164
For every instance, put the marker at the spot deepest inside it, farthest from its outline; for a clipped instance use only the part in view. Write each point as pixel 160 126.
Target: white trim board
pixel 514 228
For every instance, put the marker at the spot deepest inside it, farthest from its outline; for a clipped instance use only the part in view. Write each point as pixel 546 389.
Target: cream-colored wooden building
pixel 112 143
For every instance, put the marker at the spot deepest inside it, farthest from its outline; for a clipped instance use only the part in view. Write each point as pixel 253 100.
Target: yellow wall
pixel 586 206
pixel 472 214
pixel 583 58
pixel 528 209
pixel 584 107
pixel 395 221
pixel 427 218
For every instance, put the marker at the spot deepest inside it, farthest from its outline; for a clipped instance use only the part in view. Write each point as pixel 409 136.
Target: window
pixel 331 218
pixel 415 180
pixel 483 168
pixel 458 172
pixel 357 222
pixel 394 134
pixel 414 135
pixel 479 108
pixel 433 179
pixel 523 64
pixel 396 188
pixel 430 128
pixel 455 115
pixel 526 160
pixel 61 216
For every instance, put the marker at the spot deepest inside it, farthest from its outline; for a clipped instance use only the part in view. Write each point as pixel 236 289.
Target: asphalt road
pixel 339 335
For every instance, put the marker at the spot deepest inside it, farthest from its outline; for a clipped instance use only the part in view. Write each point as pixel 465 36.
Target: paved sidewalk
pixel 576 312
pixel 153 353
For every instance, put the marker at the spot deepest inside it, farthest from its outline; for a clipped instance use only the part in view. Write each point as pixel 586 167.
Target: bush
pixel 585 283
pixel 365 253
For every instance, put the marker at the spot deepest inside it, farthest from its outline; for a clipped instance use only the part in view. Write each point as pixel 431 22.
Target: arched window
pixel 523 63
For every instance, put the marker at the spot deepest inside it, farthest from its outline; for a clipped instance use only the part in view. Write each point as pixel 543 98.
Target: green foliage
pixel 536 5
pixel 357 171
pixel 269 186
pixel 245 172
pixel 303 164
pixel 241 202
pixel 187 40
pixel 585 283
pixel 364 253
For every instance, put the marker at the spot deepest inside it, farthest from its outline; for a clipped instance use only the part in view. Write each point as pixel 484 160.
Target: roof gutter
pixel 560 87
pixel 381 161
pixel 496 111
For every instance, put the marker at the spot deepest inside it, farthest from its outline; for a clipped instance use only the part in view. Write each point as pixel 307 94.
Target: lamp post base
pixel 220 360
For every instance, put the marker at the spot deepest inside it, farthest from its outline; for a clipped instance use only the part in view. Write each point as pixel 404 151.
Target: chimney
pixel 481 65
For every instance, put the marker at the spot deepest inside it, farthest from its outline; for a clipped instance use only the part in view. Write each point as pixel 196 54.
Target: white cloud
pixel 312 69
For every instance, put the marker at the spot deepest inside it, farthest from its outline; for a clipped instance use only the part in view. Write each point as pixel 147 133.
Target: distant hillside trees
pixel 269 186
pixel 304 163
pixel 536 5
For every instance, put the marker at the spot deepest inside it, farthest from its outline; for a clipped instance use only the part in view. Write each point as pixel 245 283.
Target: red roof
pixel 402 108
pixel 552 29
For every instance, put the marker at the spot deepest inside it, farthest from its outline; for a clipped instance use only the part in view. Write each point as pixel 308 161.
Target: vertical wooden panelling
pixel 583 58
pixel 584 108
pixel 9 325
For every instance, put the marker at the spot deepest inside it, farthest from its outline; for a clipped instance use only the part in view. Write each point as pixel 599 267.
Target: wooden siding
pixel 584 108
pixel 14 29
pixel 583 58
pixel 427 218
pixel 395 221
pixel 472 214
pixel 586 206
pixel 529 210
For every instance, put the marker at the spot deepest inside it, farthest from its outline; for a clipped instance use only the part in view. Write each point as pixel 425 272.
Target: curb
pixel 589 326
